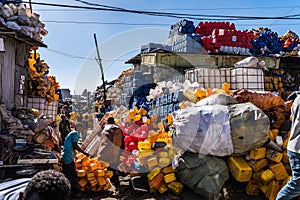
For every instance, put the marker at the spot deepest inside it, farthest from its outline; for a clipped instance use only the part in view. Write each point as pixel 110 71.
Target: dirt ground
pixel 231 190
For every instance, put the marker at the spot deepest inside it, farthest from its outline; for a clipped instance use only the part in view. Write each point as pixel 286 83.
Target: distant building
pixel 65 93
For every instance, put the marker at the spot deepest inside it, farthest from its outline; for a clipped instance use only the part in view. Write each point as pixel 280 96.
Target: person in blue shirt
pixel 68 155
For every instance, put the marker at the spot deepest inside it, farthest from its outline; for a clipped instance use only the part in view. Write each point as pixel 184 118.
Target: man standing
pixel 68 155
pixel 110 145
pixel 64 128
pixel 292 188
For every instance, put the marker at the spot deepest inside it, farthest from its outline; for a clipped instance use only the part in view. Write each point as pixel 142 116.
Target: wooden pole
pixel 101 68
pixel 30 6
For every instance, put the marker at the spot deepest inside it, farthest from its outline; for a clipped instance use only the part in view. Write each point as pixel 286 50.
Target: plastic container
pixel 273 189
pixel 267 176
pixel 168 170
pixel 163 162
pixel 258 153
pixel 157 181
pixel 176 187
pixel 83 182
pixel 162 189
pixel 81 173
pixel 253 188
pixel 240 169
pixel 145 153
pixel 163 154
pixel 247 78
pixel 137 118
pixel 279 171
pixel 200 93
pixel 274 155
pixel 226 87
pixel 257 165
pixel 100 172
pixel 170 177
pixel 190 94
pixel 153 173
pixel 152 163
pixel 146 145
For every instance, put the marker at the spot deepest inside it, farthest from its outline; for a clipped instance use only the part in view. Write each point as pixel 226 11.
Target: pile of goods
pixel 290 43
pixel 266 42
pixel 223 37
pixel 206 28
pixel 189 43
pixel 21 128
pixel 164 179
pixel 92 174
pixel 182 27
pixel 147 48
pixel 40 84
pixel 148 148
pixel 20 18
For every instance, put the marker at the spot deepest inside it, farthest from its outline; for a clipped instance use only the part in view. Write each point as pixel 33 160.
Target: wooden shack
pixel 14 52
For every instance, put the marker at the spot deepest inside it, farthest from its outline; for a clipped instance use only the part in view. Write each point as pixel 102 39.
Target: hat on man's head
pixel 111 120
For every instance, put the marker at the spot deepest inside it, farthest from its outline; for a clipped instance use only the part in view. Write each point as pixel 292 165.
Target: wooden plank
pixel 8 73
pixel 22 53
pixel 201 60
pixel 1 66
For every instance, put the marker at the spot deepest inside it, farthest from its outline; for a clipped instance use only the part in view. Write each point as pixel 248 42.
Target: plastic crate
pixel 240 169
pixel 209 77
pixel 247 78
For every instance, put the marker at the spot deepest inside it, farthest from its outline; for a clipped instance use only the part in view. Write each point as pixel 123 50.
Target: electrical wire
pixel 104 23
pixel 81 57
pixel 168 14
pixel 152 24
pixel 184 9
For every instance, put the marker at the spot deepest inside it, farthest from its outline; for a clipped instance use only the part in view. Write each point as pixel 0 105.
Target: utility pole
pixel 30 6
pixel 101 68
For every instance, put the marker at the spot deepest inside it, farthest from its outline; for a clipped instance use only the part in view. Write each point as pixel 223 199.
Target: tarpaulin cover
pixel 220 130
pixel 204 130
pixel 205 175
pixel 249 127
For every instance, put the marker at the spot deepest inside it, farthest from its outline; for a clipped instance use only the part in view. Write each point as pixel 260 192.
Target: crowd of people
pixel 69 135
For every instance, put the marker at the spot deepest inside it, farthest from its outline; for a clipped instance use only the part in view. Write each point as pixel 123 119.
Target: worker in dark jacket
pixel 110 147
pixel 64 128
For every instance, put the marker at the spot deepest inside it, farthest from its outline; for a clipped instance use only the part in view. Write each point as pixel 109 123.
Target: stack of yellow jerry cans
pixel 266 170
pixel 164 179
pixel 92 174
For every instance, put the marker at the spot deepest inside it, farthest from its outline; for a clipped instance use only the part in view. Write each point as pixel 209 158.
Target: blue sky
pixel 69 43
